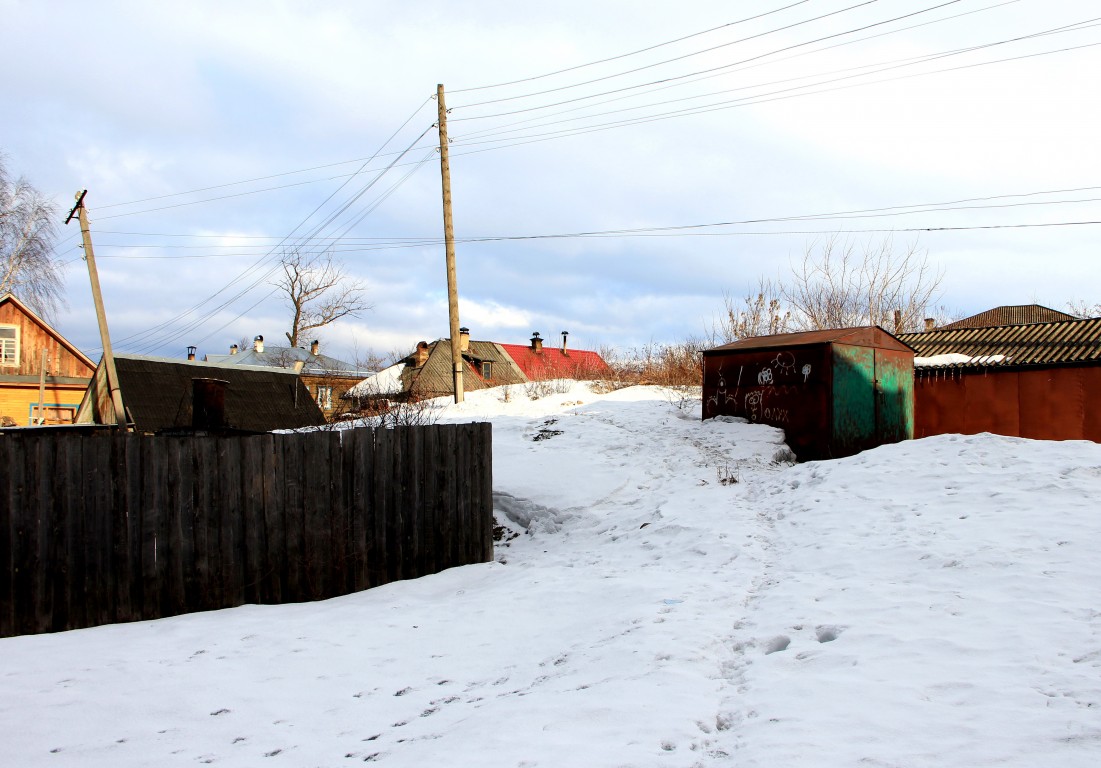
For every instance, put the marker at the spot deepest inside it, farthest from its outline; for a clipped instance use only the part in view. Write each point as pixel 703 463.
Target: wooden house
pixel 326 378
pixel 428 371
pixel 42 375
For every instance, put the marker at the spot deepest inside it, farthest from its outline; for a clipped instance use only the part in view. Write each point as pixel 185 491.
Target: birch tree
pixel 28 267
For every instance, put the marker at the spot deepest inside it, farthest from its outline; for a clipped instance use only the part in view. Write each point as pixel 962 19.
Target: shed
pixel 834 392
pixel 159 396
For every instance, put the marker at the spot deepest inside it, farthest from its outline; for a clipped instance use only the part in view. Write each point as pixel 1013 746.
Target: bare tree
pixel 760 315
pixel 318 291
pixel 846 285
pixel 1082 308
pixel 28 266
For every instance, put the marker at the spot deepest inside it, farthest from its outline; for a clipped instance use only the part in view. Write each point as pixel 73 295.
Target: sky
pixel 677 594
pixel 214 137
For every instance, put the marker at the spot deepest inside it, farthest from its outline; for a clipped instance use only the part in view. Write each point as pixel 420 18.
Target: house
pixel 833 392
pixel 327 378
pixel 428 372
pixel 166 395
pixel 42 375
pixel 1039 380
pixel 1017 314
pixel 540 362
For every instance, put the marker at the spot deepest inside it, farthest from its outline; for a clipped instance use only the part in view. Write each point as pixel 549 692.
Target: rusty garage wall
pixel 833 392
pixel 786 388
pixel 1042 403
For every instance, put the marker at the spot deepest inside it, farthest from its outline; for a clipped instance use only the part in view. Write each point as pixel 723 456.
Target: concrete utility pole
pixel 97 297
pixel 449 251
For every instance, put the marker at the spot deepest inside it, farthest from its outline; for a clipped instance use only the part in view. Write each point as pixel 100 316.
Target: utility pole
pixel 101 316
pixel 449 250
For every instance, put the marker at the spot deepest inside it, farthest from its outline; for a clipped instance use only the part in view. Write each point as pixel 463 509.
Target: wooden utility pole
pixel 101 316
pixel 449 251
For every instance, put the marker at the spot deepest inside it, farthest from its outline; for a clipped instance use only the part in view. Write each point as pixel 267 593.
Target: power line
pixel 752 100
pixel 626 55
pixel 157 331
pixel 269 176
pixel 927 207
pixel 914 59
pixel 698 72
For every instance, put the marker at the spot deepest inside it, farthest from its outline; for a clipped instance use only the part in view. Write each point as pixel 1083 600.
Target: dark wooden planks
pixel 97 529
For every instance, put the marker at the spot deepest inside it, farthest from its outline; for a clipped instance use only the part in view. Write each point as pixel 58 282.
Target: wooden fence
pixel 121 527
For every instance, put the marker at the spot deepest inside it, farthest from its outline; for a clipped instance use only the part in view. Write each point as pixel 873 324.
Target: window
pixel 9 345
pixel 487 370
pixel 325 398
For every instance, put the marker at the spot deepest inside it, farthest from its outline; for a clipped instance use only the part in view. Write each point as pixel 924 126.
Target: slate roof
pixel 156 393
pixel 1017 314
pixel 435 377
pixel 1068 342
pixel 286 357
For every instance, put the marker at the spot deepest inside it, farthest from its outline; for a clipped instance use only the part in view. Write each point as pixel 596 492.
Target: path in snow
pixel 927 604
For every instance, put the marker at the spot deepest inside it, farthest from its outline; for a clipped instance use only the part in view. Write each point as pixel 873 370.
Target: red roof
pixel 553 363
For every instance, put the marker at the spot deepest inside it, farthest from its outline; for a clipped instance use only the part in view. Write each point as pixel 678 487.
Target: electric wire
pixel 672 60
pixel 702 71
pixel 275 175
pixel 914 59
pixel 880 212
pixel 783 94
pixel 627 55
pixel 150 335
pixel 275 267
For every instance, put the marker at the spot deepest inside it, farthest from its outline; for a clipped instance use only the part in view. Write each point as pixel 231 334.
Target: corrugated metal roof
pixel 552 362
pixel 859 336
pixel 1016 314
pixel 1072 341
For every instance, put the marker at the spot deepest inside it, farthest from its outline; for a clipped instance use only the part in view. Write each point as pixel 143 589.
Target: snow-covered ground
pixel 682 596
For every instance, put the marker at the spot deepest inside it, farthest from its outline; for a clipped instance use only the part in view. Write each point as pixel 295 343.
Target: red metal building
pixel 1037 380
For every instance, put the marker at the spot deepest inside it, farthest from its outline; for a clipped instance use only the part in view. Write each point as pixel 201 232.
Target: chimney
pixel 564 335
pixel 258 344
pixel 464 339
pixel 191 352
pixel 299 365
pixel 930 323
pixel 208 403
pixel 420 356
pixel 233 350
pixel 898 321
pixel 315 348
pixel 536 343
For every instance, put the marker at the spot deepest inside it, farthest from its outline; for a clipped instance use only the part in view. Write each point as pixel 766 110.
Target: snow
pixel 385 382
pixel 955 358
pixel 678 595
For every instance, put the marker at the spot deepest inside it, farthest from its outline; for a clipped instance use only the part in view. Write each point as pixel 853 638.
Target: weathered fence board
pixel 97 529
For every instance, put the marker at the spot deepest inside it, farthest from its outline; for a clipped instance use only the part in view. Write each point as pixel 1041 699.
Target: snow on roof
pixel 954 358
pixel 385 382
